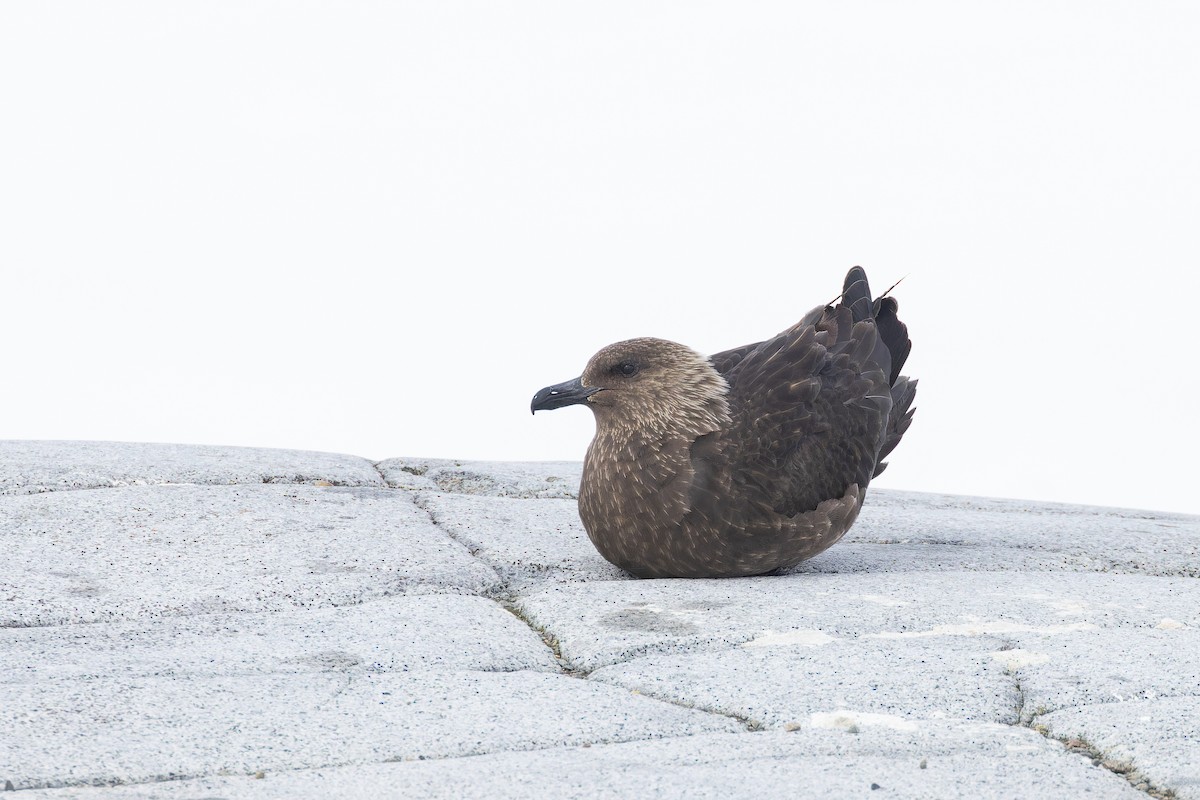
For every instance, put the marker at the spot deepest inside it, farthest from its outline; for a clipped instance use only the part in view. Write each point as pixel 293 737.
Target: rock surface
pixel 171 627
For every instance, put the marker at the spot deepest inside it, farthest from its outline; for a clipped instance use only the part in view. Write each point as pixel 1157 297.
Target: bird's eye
pixel 625 368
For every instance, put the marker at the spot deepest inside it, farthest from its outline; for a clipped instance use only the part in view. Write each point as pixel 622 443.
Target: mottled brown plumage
pixel 751 460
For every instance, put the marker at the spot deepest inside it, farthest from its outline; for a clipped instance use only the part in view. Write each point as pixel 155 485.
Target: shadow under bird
pixel 748 461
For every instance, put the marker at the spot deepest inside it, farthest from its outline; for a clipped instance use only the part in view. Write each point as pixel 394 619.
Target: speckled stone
pixel 30 467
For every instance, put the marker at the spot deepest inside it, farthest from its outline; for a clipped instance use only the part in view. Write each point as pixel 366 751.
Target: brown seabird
pixel 751 460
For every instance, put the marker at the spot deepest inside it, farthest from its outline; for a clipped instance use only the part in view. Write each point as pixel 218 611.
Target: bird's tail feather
pixel 892 351
pixel 856 294
pixel 894 334
pixel 904 390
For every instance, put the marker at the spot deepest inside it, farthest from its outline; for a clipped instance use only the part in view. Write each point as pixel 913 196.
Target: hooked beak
pixel 561 394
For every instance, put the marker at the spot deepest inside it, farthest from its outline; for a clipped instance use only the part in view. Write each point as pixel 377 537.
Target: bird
pixel 749 461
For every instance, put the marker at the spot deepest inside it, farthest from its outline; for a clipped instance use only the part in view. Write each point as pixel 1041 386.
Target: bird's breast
pixel 634 490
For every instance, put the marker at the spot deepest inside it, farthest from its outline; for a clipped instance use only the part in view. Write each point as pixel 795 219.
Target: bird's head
pixel 645 384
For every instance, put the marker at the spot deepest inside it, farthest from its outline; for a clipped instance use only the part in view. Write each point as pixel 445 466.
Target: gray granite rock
pixel 1005 538
pixel 941 760
pixel 805 681
pixel 29 467
pixel 1105 666
pixel 849 556
pixel 331 641
pixel 604 622
pixel 119 730
pixel 394 634
pixel 1158 739
pixel 546 479
pixel 526 541
pixel 167 550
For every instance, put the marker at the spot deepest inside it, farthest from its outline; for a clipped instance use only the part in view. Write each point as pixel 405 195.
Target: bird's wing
pixel 726 360
pixel 809 409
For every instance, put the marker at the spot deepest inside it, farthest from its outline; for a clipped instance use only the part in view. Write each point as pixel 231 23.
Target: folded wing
pixel 815 408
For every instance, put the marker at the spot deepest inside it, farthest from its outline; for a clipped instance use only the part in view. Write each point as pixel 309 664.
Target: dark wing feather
pixel 903 392
pixel 726 360
pixel 809 411
pixel 893 333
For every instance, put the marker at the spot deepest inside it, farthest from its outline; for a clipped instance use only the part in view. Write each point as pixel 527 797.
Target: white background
pixel 378 228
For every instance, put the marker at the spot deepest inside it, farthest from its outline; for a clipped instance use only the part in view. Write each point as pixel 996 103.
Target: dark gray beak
pixel 561 394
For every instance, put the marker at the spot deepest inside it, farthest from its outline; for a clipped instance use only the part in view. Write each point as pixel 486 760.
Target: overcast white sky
pixel 378 228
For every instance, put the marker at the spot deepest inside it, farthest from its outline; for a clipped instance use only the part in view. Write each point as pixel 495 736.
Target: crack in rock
pixel 1079 746
pixel 506 597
